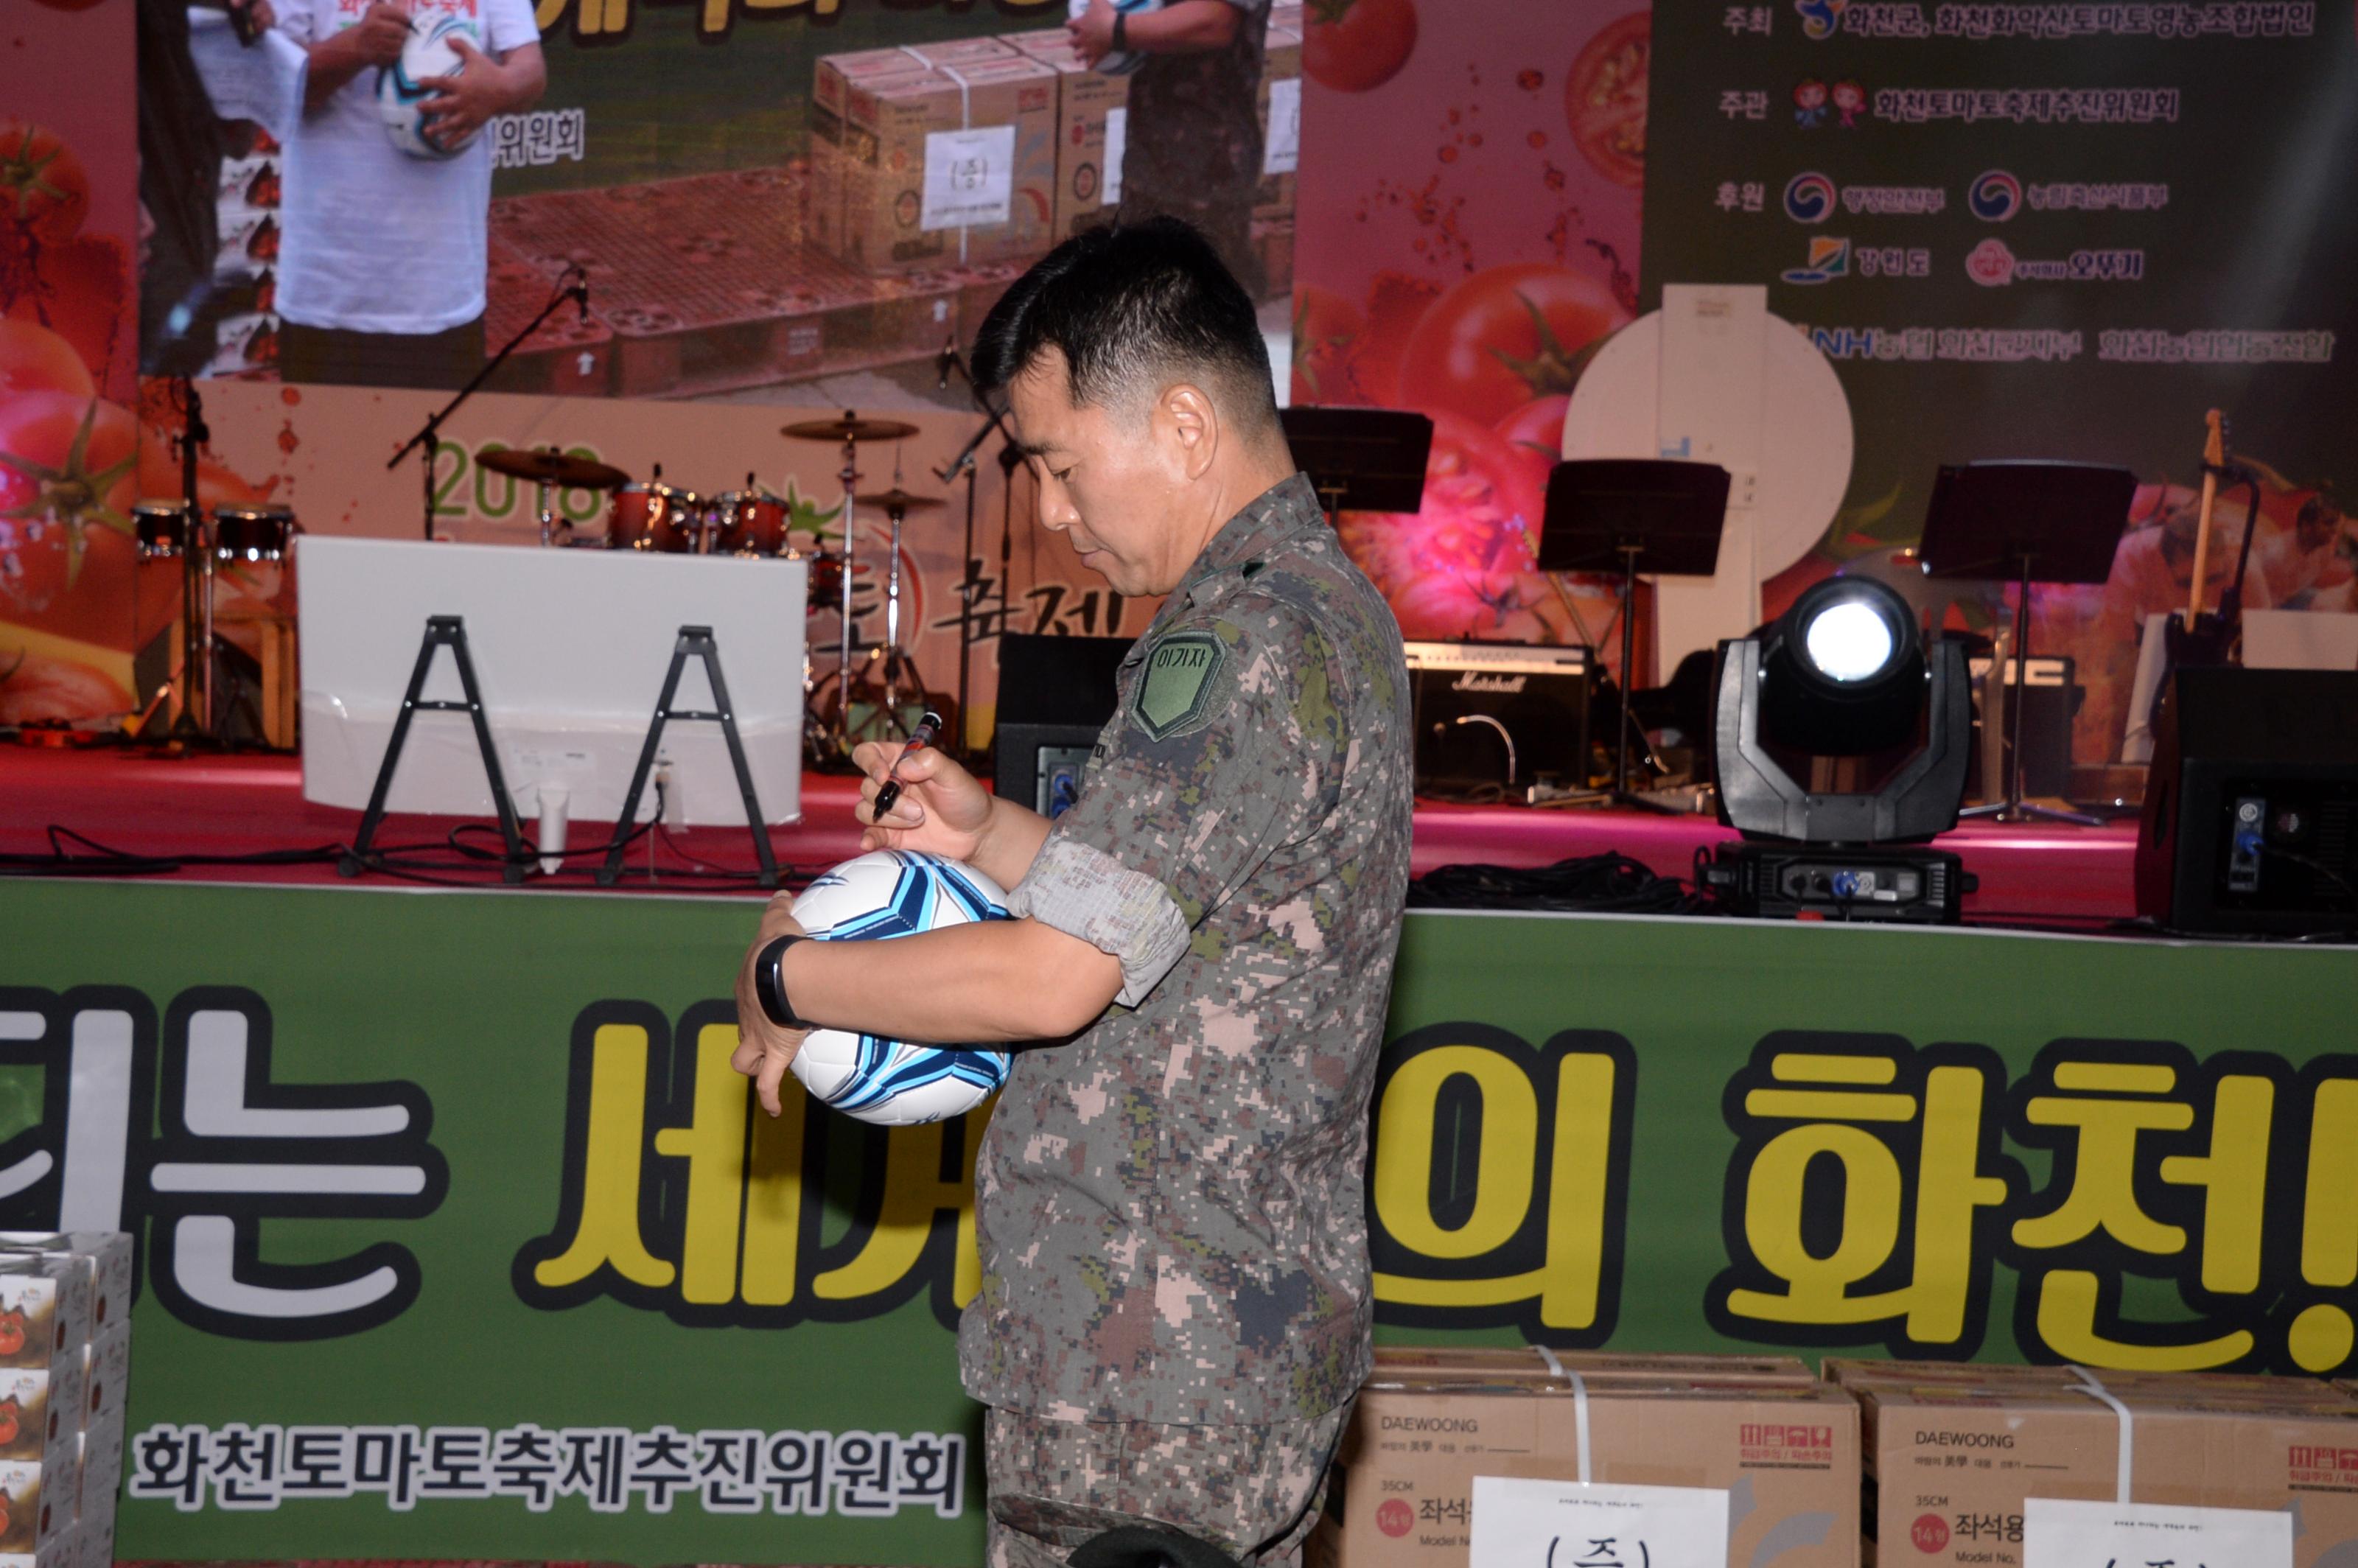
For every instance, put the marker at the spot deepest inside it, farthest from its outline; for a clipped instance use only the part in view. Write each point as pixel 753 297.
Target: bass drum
pixel 652 515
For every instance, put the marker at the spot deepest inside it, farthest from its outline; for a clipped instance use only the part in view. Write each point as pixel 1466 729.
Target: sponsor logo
pixel 1829 259
pixel 1395 1517
pixel 1995 196
pixel 1929 1532
pixel 1990 264
pixel 1821 18
pixel 1508 685
pixel 1809 197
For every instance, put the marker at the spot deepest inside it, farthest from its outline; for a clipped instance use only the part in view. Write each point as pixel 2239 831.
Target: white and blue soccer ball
pixel 895 1082
pixel 401 101
pixel 1127 60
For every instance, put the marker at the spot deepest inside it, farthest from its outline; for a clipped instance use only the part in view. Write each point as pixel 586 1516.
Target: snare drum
pixel 748 522
pixel 652 515
pixel 164 529
pixel 258 532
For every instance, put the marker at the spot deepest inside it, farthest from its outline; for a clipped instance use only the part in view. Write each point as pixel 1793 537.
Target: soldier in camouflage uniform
pixel 1176 1301
pixel 1193 147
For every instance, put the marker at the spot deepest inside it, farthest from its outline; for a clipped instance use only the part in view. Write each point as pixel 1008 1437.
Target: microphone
pixel 582 297
pixel 945 362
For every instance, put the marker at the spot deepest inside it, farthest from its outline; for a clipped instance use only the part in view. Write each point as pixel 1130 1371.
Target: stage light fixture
pixel 1845 674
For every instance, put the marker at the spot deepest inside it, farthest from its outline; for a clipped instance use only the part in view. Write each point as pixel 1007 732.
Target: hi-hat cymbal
pixel 850 427
pixel 897 500
pixel 554 467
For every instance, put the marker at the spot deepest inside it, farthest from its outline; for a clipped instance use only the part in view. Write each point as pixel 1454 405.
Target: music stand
pixel 1361 459
pixel 2032 521
pixel 1625 516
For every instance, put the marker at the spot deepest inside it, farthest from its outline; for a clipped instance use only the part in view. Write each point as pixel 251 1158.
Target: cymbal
pixel 898 499
pixel 554 467
pixel 850 427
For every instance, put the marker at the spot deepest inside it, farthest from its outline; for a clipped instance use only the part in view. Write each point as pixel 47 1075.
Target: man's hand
pixel 376 38
pixel 1092 32
pixel 943 810
pixel 461 104
pixel 764 1051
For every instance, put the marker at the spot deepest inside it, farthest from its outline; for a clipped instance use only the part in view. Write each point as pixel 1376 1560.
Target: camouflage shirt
pixel 1169 1207
pixel 1194 148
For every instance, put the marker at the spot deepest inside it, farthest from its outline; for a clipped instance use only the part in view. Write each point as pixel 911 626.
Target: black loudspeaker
pixel 2051 695
pixel 1054 695
pixel 2251 811
pixel 1499 713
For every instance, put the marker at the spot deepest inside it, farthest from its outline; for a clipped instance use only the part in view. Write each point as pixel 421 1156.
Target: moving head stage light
pixel 1843 688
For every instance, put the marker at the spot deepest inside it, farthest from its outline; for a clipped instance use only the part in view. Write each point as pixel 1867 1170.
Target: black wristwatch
pixel 769 983
pixel 1121 30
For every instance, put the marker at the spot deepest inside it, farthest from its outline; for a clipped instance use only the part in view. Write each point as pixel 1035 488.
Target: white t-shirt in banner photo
pixel 375 240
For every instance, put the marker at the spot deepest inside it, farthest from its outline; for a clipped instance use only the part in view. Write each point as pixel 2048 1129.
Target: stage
pixel 242 805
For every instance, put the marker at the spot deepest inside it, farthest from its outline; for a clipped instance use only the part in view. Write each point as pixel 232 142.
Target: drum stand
pixel 194 722
pixel 850 477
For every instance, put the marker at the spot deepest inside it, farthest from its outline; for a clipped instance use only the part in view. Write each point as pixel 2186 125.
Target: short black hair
pixel 1128 307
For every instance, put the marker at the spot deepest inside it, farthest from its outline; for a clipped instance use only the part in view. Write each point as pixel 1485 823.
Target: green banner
pixel 459 1239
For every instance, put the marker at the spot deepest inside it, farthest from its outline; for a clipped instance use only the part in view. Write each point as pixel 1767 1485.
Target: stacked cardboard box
pixel 1092 119
pixel 1427 1423
pixel 65 1350
pixel 935 156
pixel 1953 1451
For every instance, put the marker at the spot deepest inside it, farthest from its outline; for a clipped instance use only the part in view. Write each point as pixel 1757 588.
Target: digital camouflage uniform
pixel 1193 147
pixel 1174 1308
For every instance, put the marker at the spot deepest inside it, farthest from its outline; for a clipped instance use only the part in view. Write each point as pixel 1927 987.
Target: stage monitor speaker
pixel 1499 713
pixel 2251 812
pixel 2051 695
pixel 1054 695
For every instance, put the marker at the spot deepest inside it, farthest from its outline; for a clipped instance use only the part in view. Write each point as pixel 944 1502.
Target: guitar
pixel 2201 637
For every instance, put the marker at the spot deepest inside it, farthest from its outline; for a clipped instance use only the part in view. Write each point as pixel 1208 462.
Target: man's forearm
pixel 521 77
pixel 332 62
pixel 1188 27
pixel 1011 843
pixel 996 983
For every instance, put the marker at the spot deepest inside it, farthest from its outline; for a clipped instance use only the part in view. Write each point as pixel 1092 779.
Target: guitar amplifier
pixel 1500 713
pixel 2251 810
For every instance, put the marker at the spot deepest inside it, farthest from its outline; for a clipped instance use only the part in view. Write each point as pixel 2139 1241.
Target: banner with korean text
pixel 458 1238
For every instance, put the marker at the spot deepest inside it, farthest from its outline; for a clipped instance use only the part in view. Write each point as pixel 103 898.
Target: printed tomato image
pixel 1353 45
pixel 80 289
pixel 1536 431
pixel 43 188
pixel 1504 337
pixel 1604 99
pixel 1326 327
pixel 35 359
pixel 66 484
pixel 1456 568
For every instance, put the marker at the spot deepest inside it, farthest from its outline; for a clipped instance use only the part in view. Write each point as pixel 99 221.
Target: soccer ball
pixel 401 101
pixel 893 1082
pixel 1126 62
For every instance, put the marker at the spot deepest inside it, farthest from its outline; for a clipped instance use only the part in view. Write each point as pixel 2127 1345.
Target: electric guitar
pixel 2200 636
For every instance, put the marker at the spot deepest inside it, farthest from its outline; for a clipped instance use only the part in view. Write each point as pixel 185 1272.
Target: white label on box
pixel 969 177
pixel 2063 1534
pixel 1283 151
pixel 1117 138
pixel 1563 1524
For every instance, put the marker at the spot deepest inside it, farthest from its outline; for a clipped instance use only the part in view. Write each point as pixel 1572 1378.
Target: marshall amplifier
pixel 1499 713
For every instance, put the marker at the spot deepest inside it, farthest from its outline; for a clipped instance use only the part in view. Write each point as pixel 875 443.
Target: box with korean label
pixel 1786 1451
pixel 954 165
pixel 1485 1362
pixel 1092 128
pixel 44 1308
pixel 1951 1462
pixel 107 1255
pixel 40 1413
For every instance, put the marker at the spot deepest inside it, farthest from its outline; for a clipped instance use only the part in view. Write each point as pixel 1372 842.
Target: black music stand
pixel 1625 516
pixel 2030 521
pixel 1361 459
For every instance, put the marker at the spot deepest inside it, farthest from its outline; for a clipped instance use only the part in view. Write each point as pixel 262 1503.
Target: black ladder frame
pixel 441 631
pixel 696 640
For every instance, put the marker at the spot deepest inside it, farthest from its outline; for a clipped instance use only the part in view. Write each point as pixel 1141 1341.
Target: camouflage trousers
pixel 1254 1491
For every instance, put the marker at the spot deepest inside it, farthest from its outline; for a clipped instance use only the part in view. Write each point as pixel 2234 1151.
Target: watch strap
pixel 770 982
pixel 1121 30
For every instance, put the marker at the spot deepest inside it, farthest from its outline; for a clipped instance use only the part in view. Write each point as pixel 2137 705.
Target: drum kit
pixel 202 544
pixel 652 515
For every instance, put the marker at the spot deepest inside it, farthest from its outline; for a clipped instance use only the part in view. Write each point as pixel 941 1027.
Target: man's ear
pixel 1185 416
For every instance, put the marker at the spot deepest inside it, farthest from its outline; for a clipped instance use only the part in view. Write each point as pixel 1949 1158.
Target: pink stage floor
pixel 166 807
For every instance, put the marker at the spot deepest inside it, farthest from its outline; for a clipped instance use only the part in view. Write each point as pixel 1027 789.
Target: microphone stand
pixel 429 435
pixel 948 474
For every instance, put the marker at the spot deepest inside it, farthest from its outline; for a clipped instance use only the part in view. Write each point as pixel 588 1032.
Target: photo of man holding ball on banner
pixel 1175 1302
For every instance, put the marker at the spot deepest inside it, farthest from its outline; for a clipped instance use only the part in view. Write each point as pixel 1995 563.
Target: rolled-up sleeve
pixel 1187 794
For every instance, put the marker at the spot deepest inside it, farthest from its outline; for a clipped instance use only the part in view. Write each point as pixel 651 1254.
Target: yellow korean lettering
pixel 713 1144
pixel 607 1232
pixel 1773 1202
pixel 916 1195
pixel 1406 1124
pixel 774 1200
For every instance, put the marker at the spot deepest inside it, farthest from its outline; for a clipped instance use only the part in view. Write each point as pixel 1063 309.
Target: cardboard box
pixel 1951 1464
pixel 985 124
pixel 1092 113
pixel 44 1308
pixel 106 1375
pixel 35 1517
pixel 1488 1362
pixel 94 1546
pixel 1280 106
pixel 108 1253
pixel 40 1415
pixel 98 1478
pixel 1402 1497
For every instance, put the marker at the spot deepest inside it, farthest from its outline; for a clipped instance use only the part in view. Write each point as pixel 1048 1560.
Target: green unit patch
pixel 1181 672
